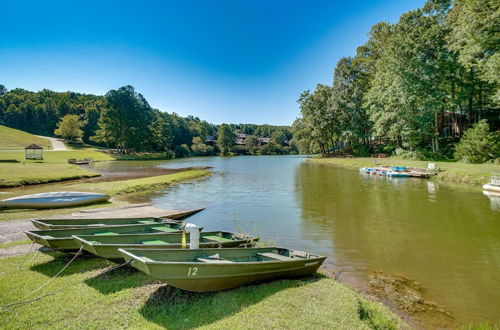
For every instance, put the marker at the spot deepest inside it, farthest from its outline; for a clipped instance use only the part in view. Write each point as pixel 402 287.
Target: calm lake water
pixel 446 237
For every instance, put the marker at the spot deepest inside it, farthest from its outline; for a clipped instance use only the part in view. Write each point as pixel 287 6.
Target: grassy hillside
pixel 13 139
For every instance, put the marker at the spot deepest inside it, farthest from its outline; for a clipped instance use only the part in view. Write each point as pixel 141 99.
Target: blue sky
pixel 223 61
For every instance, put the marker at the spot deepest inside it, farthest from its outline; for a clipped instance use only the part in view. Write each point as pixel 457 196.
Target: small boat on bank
pixel 494 185
pixel 68 223
pixel 202 270
pixel 107 246
pixel 398 174
pixel 52 200
pixel 62 239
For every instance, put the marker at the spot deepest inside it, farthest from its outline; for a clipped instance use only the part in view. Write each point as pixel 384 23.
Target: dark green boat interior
pixel 111 230
pixel 219 255
pixel 155 239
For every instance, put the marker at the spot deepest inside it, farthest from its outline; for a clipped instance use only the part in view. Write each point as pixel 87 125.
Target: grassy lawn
pixel 125 298
pixel 113 188
pixel 13 139
pixel 453 171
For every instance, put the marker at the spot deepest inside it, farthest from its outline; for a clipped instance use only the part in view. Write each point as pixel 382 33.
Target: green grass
pixel 113 188
pixel 54 167
pixel 14 243
pixel 17 174
pixel 13 139
pixel 125 298
pixel 453 171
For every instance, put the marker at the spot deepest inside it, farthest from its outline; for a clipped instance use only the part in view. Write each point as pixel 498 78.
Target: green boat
pixel 203 270
pixel 65 223
pixel 61 239
pixel 107 246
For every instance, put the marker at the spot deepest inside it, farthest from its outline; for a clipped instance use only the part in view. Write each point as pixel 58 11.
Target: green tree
pixel 478 144
pixel 278 137
pixel 201 149
pixel 69 128
pixel 475 37
pixel 251 141
pixel 127 121
pixel 225 138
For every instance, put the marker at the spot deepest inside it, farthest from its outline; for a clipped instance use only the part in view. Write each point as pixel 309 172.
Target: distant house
pixel 240 139
pixel 210 140
pixel 264 140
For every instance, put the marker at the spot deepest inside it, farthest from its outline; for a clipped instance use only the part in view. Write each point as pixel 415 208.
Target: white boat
pixel 492 187
pixel 52 200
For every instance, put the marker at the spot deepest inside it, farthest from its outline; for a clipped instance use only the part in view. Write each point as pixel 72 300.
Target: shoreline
pixel 455 172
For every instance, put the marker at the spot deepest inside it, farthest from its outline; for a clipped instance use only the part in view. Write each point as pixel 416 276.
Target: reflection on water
pixel 446 237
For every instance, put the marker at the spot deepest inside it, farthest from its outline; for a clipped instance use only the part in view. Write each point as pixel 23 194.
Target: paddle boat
pixel 52 200
pixel 202 270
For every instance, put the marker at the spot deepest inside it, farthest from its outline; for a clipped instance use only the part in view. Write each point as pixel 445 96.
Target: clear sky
pixel 223 61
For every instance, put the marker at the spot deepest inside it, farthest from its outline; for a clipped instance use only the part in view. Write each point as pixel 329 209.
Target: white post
pixel 194 235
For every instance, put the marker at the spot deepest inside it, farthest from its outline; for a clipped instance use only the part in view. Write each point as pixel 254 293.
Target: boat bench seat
pixel 274 256
pixel 106 233
pixel 214 261
pixel 147 222
pixel 164 228
pixel 147 259
pixel 154 241
pixel 216 238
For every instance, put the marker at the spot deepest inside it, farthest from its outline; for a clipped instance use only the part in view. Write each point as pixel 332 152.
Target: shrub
pixel 181 151
pixel 478 145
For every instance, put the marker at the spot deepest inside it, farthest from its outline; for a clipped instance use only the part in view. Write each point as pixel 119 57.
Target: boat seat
pixel 274 256
pixel 106 233
pixel 214 261
pixel 154 242
pixel 164 228
pixel 216 238
pixel 147 259
pixel 147 222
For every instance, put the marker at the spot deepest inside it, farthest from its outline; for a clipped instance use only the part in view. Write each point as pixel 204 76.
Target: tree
pixel 474 36
pixel 3 90
pixel 127 121
pixel 225 138
pixel 278 137
pixel 69 128
pixel 199 148
pixel 251 141
pixel 478 144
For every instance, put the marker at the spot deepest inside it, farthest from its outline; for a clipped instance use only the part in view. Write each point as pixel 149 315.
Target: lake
pixel 445 236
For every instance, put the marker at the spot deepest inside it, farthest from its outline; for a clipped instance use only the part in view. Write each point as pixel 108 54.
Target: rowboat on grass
pixel 218 269
pixel 107 246
pixel 65 223
pixel 61 239
pixel 52 200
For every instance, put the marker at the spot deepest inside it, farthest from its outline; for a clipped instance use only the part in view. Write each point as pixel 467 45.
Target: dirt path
pixel 13 230
pixel 57 144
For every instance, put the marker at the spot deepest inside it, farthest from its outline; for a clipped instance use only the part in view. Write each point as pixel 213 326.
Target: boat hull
pixel 491 187
pixel 62 239
pixel 71 223
pixel 53 200
pixel 203 277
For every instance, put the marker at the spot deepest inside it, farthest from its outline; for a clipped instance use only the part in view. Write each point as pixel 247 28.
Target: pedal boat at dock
pixel 202 270
pixel 65 223
pixel 107 246
pixel 52 200
pixel 62 239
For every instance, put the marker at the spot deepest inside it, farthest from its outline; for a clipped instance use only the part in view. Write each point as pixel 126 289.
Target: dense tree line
pixel 123 119
pixel 415 86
